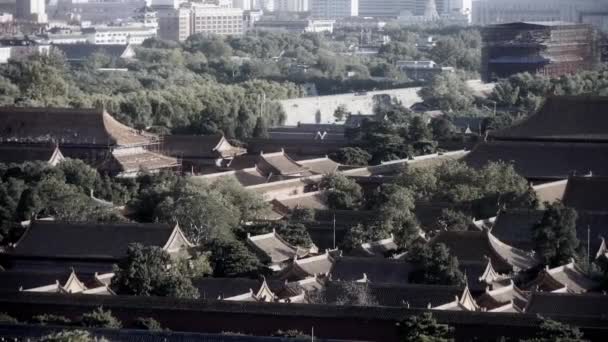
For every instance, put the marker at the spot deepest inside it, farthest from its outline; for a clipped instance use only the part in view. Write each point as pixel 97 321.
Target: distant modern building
pixel 487 12
pixel 334 9
pixel 174 24
pixel 20 48
pixel 295 26
pixel 292 5
pixel 548 48
pixel 95 12
pixel 31 10
pixel 102 35
pixel 216 20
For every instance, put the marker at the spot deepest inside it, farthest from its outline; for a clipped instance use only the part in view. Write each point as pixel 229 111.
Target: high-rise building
pixel 33 10
pixel 292 6
pixel 334 9
pixel 174 24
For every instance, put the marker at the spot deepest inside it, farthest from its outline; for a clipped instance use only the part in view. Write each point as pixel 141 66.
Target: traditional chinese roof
pixel 274 248
pixel 320 166
pixel 133 160
pixel 514 227
pixel 587 193
pixel 279 163
pixel 377 248
pixel 80 240
pixel 568 276
pixel 550 192
pixel 374 270
pixel 497 298
pixel 309 267
pixel 67 126
pixel 52 282
pixel 543 160
pixel 480 275
pixel 464 302
pixel 563 118
pixel 200 146
pixel 474 246
pixel 307 200
pixel 18 154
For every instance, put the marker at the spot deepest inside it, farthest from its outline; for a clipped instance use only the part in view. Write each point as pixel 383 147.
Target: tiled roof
pixel 409 295
pixel 550 192
pixel 53 239
pixel 543 160
pixel 499 297
pixel 321 166
pixel 272 247
pixel 67 126
pixel 20 153
pixel 199 146
pixel 563 118
pixel 139 159
pixel 377 248
pixel 473 246
pixel 569 276
pixel 279 163
pixel 587 193
pixel 309 267
pixel 565 304
pixel 308 200
pixel 14 281
pixel 375 270
pixel 514 227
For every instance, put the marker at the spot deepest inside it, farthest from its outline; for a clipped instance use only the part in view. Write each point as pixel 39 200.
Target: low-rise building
pixel 295 26
pixel 421 70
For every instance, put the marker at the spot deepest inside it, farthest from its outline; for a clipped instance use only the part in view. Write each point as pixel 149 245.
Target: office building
pixel 216 20
pixel 334 9
pixel 174 24
pixel 31 10
pixel 292 5
pixel 552 49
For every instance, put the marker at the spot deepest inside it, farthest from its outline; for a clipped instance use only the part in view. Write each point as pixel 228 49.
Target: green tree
pixel 454 220
pixel 418 130
pixel 552 331
pixel 71 336
pixel 436 265
pixel 296 234
pixel 231 258
pixel 354 156
pixel 99 318
pixel 78 173
pixel 449 92
pixel 340 113
pixel 441 128
pixel 353 293
pixel 148 323
pixel 423 328
pixel 50 319
pixel 554 236
pixel 342 192
pixel 149 271
pixel 261 129
pixel 7 319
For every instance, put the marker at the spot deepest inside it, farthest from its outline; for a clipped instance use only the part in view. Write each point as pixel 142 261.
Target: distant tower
pixel 430 10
